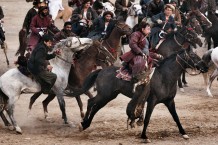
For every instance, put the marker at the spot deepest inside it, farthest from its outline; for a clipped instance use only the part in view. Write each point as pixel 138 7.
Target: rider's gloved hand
pixel 41 33
pixel 159 21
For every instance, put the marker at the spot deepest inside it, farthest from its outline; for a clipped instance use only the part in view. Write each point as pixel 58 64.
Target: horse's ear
pixel 68 42
pixel 103 4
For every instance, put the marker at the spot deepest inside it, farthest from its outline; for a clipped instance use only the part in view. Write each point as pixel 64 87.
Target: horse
pixel 24 84
pixel 211 55
pixel 161 89
pixel 108 6
pixel 65 14
pixel 100 54
pixel 175 41
pixel 132 15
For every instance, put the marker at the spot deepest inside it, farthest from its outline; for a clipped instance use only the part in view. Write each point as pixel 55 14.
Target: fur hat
pixel 108 13
pixel 169 6
pixel 42 8
pixel 174 1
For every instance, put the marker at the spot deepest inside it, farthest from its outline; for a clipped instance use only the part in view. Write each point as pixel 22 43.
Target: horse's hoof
pixel 185 136
pixel 80 127
pixel 185 85
pixel 182 90
pixel 11 127
pixel 18 130
pixel 147 140
pixel 139 122
pixel 46 114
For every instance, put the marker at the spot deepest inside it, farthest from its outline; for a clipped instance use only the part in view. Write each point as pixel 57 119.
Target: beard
pixel 44 14
pixel 67 32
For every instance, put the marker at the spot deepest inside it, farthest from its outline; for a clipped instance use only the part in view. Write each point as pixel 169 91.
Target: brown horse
pixel 98 54
pixel 65 14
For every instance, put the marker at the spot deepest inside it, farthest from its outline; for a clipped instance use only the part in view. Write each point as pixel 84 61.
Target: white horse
pixel 134 10
pixel 213 54
pixel 13 82
pixel 108 7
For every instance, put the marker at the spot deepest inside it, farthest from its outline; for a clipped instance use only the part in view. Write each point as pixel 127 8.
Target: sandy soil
pixel 197 112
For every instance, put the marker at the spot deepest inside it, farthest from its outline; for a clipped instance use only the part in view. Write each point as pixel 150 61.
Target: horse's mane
pixel 170 57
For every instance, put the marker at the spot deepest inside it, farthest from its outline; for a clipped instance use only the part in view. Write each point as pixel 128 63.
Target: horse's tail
pixel 207 56
pixel 22 42
pixel 87 84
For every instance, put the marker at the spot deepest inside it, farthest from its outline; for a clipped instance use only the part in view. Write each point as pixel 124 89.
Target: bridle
pixel 132 12
pixel 61 58
pixel 185 60
pixel 107 59
pixel 187 36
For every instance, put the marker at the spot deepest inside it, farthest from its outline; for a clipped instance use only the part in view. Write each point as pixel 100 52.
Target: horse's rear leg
pixel 33 99
pixel 180 85
pixel 172 109
pixel 184 80
pixel 212 77
pixel 46 102
pixel 62 107
pixel 6 122
pixel 10 111
pixel 94 105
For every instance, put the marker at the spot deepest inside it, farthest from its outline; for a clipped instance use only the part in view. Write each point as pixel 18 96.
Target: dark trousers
pixel 46 80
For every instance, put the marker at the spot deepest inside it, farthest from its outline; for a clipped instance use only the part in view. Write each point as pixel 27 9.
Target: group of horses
pixel 78 75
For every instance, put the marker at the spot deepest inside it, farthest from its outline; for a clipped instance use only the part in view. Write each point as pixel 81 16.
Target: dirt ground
pixel 197 112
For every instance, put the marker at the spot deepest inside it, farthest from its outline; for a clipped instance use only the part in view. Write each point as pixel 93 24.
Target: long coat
pixel 37 24
pixel 119 4
pixel 1 13
pixel 38 60
pixel 99 27
pixel 134 57
pixel 29 16
pixel 80 11
pixel 154 8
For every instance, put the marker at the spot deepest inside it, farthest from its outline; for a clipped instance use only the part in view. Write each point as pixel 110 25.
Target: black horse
pixel 161 89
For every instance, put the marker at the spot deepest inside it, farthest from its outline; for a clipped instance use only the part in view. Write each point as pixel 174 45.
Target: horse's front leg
pixel 33 99
pixel 184 80
pixel 212 77
pixel 172 109
pixel 62 107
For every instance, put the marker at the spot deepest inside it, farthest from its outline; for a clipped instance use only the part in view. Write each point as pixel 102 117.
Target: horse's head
pixel 135 9
pixel 123 28
pixel 189 59
pixel 190 36
pixel 194 23
pixel 201 18
pixel 75 44
pixel 109 7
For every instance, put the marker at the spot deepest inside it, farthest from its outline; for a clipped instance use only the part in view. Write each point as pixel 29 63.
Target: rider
pixel 83 17
pixel 155 7
pixel 163 23
pixel 65 32
pixel 39 26
pixel 103 26
pixel 122 8
pixel 2 35
pixel 38 64
pixel 31 13
pixel 98 6
pixel 176 13
pixel 136 58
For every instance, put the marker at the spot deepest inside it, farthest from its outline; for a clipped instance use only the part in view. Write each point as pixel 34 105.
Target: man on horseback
pixel 39 26
pixel 136 59
pixel 38 64
pixel 163 23
pixel 65 32
pixel 103 26
pixel 2 35
pixel 31 13
pixel 122 8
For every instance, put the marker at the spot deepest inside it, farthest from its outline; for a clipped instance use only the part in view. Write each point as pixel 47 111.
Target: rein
pixel 185 61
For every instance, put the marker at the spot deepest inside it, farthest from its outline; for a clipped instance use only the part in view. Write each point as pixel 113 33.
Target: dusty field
pixel 198 113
